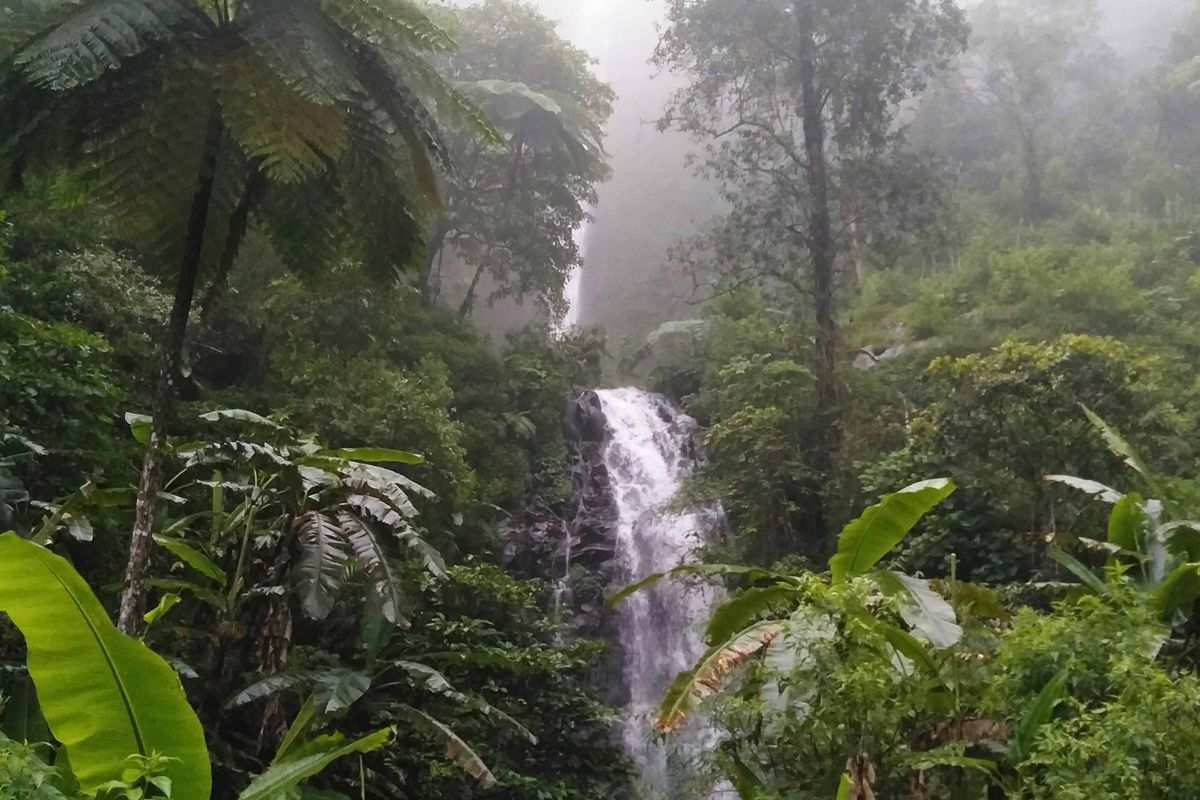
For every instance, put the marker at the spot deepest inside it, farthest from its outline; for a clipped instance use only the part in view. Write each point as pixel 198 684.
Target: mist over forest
pixel 599 399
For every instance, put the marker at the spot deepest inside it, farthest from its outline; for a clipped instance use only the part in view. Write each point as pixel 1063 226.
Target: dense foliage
pixel 256 406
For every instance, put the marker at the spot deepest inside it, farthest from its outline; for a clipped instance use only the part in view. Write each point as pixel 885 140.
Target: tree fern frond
pixel 305 222
pixel 382 217
pixel 100 36
pixel 145 146
pixel 23 20
pixel 322 566
pixel 395 24
pixel 452 104
pixel 303 47
pixel 292 137
pixel 414 121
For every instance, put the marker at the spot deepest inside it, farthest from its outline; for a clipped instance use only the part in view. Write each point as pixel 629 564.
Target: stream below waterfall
pixel 650 452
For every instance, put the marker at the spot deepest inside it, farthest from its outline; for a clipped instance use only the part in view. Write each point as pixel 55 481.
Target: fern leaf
pixel 394 24
pixel 292 137
pixel 304 49
pixel 103 35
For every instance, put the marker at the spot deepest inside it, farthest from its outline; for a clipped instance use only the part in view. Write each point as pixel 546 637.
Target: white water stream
pixel 648 457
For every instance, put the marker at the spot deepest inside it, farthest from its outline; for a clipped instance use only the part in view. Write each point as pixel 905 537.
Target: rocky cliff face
pixel 573 544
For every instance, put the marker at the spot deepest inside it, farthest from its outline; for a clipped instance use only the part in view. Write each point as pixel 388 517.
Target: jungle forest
pixel 599 399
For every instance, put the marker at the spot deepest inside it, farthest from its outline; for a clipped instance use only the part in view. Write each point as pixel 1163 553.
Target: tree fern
pixel 103 35
pixel 185 114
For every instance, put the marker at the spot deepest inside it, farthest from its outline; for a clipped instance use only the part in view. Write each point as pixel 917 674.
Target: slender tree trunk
pixel 239 222
pixel 1034 207
pixel 133 594
pixel 433 260
pixel 821 251
pixel 468 302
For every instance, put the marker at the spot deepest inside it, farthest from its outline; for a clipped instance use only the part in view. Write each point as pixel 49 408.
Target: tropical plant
pixel 1152 544
pixel 117 707
pixel 513 207
pixel 104 696
pixel 736 632
pixel 197 117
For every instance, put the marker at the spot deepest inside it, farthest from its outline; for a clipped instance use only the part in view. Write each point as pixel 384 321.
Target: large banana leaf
pixel 881 527
pixel 285 774
pixel 707 676
pixel 105 696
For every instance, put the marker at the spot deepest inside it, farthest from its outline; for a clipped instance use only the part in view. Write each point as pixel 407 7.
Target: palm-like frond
pixel 144 148
pixel 102 35
pixel 291 136
pixel 304 49
pixel 391 24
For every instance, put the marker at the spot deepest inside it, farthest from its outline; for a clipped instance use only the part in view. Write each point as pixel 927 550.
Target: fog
pixel 654 201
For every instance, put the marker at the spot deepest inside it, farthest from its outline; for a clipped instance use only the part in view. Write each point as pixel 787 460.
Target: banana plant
pixel 340 511
pixel 779 615
pixel 1150 542
pixel 111 702
pixel 105 696
pixel 385 692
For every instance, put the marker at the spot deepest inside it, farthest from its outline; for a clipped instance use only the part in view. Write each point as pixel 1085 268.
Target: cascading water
pixel 649 454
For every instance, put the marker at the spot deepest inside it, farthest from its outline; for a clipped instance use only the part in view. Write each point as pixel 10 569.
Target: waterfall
pixel 649 454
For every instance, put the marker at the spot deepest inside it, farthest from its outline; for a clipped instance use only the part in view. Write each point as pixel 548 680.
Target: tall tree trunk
pixel 1033 202
pixel 239 222
pixel 820 246
pixel 133 594
pixel 468 302
pixel 433 261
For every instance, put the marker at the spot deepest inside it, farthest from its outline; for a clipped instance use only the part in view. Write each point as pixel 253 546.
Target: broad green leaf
pixel 925 611
pixel 307 760
pixel 882 526
pixel 845 785
pixel 241 415
pixel 139 426
pixel 105 696
pixel 1117 444
pixel 790 652
pixel 379 455
pixel 706 677
pixel 297 732
pixel 1079 570
pixel 1126 524
pixel 457 750
pixel 343 692
pixel 165 604
pixel 265 687
pixel 1038 715
pixel 908 646
pixel 192 557
pixel 1094 488
pixel 201 593
pixel 736 613
pixel 434 681
pixel 322 568
pixel 1179 589
pixel 747 784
